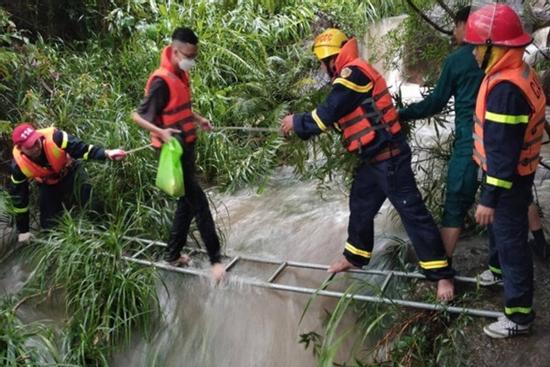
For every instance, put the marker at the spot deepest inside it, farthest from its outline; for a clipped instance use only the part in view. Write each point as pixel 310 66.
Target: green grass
pixel 24 344
pixel 107 298
pixel 392 335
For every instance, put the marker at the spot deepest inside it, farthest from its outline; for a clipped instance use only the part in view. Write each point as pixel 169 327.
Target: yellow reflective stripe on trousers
pixel 506 119
pixel 318 120
pixel 510 310
pixel 354 250
pixel 351 85
pixel 85 157
pixel 21 210
pixel 493 181
pixel 17 182
pixel 436 264
pixel 65 140
pixel 495 270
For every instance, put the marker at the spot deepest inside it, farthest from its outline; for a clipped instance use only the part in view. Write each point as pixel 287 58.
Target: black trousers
pixel 194 204
pixel 73 189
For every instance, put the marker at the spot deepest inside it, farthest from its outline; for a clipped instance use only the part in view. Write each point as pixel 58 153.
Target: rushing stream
pixel 236 325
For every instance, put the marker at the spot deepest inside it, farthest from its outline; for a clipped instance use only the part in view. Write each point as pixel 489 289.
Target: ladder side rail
pixel 333 294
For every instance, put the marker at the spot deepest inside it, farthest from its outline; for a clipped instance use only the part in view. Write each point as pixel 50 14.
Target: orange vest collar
pixel 166 60
pixel 512 59
pixel 348 53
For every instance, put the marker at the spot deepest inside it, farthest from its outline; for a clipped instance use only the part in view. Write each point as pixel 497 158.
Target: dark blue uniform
pixel 378 179
pixel 510 195
pixel 52 197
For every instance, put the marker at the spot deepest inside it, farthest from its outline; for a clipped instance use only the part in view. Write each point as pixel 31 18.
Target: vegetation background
pixel 82 65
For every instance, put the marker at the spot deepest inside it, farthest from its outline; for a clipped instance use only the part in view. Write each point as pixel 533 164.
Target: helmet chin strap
pixel 330 71
pixel 487 56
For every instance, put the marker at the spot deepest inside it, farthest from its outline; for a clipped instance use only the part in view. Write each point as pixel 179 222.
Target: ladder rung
pixel 413 275
pixel 232 263
pixel 143 250
pixel 322 292
pixel 386 283
pixel 277 272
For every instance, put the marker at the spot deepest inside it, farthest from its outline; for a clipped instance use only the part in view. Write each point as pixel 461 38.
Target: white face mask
pixel 186 64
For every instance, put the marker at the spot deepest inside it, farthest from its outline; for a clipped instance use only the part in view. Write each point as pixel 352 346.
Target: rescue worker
pixel 361 108
pixel 165 112
pixel 50 157
pixel 460 78
pixel 509 123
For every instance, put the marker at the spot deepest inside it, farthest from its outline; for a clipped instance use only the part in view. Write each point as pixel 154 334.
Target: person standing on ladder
pixel 361 108
pixel 50 157
pixel 509 123
pixel 166 112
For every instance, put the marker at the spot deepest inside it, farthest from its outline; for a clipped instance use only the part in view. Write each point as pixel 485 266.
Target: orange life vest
pixel 58 160
pixel 512 69
pixel 178 112
pixel 359 127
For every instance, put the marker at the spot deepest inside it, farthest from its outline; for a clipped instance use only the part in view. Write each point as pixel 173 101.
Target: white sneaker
pixel 506 328
pixel 488 278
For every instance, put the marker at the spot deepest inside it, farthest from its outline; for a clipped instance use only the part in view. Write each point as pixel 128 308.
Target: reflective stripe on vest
pixel 178 112
pixel 56 157
pixel 359 127
pixel 526 79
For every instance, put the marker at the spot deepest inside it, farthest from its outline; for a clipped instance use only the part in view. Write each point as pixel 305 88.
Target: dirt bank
pixel 532 351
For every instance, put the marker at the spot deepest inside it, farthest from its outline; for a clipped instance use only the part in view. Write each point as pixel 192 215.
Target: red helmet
pixel 496 24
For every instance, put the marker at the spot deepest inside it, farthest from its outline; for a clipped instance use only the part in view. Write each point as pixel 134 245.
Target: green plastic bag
pixel 170 171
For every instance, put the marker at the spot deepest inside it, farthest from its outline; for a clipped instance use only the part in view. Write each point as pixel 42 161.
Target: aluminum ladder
pixel 271 281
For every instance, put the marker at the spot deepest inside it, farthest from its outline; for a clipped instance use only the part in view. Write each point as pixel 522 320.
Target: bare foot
pixel 339 265
pixel 445 290
pixel 218 273
pixel 180 261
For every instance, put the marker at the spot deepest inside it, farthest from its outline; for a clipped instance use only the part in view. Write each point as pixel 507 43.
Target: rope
pixel 248 129
pixel 138 149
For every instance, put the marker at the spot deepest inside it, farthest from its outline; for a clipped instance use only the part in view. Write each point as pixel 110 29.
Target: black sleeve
pixel 154 102
pixel 19 193
pixel 77 148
